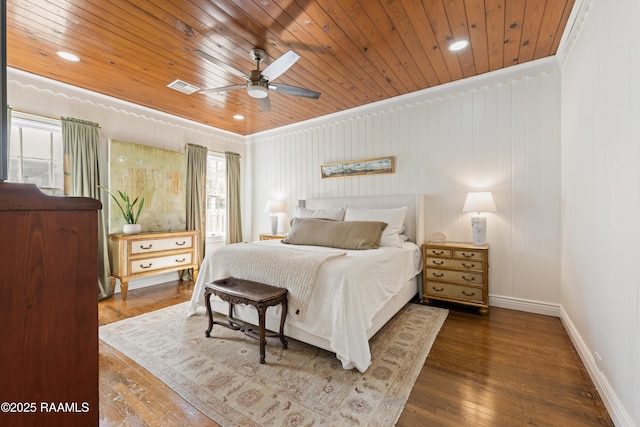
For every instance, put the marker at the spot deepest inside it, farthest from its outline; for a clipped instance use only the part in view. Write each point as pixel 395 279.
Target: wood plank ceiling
pixel 352 51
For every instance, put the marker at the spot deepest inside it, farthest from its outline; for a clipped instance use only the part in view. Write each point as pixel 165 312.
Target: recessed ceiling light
pixel 68 56
pixel 459 45
pixel 238 116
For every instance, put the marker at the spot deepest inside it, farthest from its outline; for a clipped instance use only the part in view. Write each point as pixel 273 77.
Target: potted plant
pixel 129 211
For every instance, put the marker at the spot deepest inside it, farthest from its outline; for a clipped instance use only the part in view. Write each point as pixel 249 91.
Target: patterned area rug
pixel 301 386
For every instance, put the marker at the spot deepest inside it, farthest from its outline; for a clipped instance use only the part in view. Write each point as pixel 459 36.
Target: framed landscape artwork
pixel 374 166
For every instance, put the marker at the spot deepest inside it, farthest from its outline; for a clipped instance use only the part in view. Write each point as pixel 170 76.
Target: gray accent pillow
pixel 335 234
pixel 393 217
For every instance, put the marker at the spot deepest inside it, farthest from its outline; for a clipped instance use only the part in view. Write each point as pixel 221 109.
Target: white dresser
pixel 146 254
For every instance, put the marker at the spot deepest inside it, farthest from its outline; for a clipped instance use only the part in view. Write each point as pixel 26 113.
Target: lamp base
pixel 479 228
pixel 274 224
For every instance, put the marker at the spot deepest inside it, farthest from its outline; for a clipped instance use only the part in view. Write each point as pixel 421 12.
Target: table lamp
pixel 478 202
pixel 273 207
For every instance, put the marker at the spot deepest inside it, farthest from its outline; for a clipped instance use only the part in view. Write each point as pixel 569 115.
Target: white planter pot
pixel 131 228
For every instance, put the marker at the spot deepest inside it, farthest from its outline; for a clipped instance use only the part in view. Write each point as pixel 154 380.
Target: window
pixel 36 152
pixel 216 196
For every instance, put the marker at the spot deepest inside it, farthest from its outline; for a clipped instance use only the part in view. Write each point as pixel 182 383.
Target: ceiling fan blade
pixel 280 65
pixel 265 104
pixel 221 64
pixel 293 90
pixel 224 88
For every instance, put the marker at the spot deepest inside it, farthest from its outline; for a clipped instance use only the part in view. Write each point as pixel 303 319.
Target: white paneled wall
pixel 504 138
pixel 601 201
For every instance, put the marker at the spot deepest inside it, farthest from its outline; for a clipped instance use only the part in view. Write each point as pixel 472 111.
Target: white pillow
pixel 393 217
pixel 336 214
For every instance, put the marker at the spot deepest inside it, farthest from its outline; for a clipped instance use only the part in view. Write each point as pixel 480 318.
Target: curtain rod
pixel 223 152
pixel 35 115
pixel 213 151
pixel 58 119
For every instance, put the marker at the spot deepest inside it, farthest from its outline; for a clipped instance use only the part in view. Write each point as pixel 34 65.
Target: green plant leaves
pixel 127 207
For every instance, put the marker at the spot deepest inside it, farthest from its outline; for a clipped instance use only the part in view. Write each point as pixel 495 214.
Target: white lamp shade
pixel 479 201
pixel 274 206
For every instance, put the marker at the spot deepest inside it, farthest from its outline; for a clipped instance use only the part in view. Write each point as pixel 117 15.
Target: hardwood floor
pixel 506 368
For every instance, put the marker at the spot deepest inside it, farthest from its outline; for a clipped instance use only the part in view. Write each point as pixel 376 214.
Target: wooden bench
pixel 259 295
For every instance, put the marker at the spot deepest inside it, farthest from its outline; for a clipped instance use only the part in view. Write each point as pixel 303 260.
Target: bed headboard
pixel 415 203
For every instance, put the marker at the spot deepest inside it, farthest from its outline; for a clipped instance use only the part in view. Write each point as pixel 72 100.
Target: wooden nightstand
pixel 456 272
pixel 269 236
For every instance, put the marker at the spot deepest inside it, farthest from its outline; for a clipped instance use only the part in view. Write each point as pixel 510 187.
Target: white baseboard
pixel 148 281
pixel 529 306
pixel 617 412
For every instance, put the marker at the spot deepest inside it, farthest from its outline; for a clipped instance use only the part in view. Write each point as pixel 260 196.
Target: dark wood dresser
pixel 48 308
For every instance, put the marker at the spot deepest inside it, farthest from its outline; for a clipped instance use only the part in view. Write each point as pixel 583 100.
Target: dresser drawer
pixel 162 244
pixel 468 254
pixel 159 263
pixel 454 263
pixel 462 277
pixel 437 252
pixel 448 290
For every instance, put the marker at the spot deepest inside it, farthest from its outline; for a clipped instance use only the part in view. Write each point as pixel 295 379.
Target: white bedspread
pixel 350 290
pixel 281 266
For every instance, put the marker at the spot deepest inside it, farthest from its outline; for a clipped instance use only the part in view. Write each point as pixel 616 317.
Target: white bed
pixel 354 295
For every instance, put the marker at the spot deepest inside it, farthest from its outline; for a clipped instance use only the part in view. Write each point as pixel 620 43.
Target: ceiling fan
pixel 260 82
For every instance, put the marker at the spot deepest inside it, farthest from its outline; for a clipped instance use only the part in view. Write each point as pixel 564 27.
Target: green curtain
pixel 234 213
pixel 81 142
pixel 196 157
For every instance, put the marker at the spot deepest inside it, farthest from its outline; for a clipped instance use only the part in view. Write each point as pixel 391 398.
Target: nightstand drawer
pixel 454 263
pixel 437 252
pixel 468 254
pixel 447 290
pixel 462 277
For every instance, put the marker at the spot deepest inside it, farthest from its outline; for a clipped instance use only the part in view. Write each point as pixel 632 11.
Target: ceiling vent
pixel 183 87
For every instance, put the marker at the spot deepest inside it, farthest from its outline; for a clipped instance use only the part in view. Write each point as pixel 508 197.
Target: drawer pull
pixel 146 266
pixel 437 289
pixel 436 262
pixel 468 294
pixel 181 260
pixel 465 265
pixel 181 244
pixel 146 247
pixel 437 252
pixel 437 274
pixel 468 255
pixel 468 279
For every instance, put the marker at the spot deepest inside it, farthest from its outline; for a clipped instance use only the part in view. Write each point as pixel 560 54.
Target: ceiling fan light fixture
pixel 459 45
pixel 257 90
